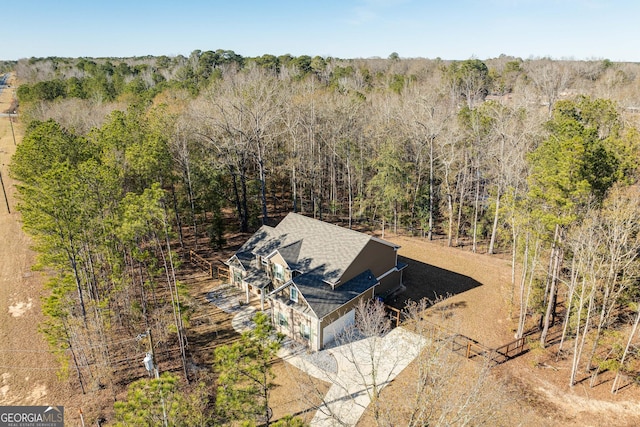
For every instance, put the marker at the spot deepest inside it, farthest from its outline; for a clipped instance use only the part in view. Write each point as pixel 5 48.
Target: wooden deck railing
pixel 394 314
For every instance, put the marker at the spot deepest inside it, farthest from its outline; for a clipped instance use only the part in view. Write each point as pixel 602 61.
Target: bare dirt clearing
pixel 480 308
pixel 27 370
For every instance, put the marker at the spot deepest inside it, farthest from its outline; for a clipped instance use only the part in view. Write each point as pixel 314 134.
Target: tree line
pixel 534 158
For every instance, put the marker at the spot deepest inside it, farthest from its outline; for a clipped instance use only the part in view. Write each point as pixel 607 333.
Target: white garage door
pixel 331 331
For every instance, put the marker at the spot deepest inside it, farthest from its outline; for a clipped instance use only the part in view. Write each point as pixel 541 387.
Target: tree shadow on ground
pixel 423 280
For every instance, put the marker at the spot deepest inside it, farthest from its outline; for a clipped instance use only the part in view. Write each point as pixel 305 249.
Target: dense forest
pixel 123 157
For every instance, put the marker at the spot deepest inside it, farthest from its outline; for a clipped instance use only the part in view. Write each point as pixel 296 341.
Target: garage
pixel 331 331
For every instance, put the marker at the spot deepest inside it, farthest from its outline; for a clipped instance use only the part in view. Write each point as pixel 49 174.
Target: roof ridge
pixel 343 229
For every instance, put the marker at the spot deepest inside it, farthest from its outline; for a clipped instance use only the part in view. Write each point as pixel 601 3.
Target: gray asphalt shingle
pixel 323 300
pixel 321 245
pixel 320 251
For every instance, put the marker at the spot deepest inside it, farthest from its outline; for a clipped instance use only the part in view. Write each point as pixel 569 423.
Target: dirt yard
pixel 478 285
pixel 27 370
pixel 479 307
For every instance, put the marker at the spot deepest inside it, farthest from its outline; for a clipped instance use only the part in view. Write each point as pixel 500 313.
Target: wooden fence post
pixel 224 274
pixel 194 258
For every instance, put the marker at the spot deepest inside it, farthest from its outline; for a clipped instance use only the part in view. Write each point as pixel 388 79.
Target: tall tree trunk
pixel 76 275
pixel 570 295
pixel 395 217
pixel 92 280
pixel 494 229
pixel 333 196
pixel 350 190
pixel 552 297
pixel 596 339
pixel 450 209
pixel 175 297
pixel 75 361
pixel 523 279
pixel 576 348
pixel 614 386
pixel 175 209
pixel 524 296
pixel 244 220
pixel 143 295
pixel 294 188
pixel 263 190
pixel 585 328
pixel 547 283
pixel 476 208
pixel 514 244
pixel 236 196
pixel 192 203
pixel 431 189
pixel 462 182
pixel 449 204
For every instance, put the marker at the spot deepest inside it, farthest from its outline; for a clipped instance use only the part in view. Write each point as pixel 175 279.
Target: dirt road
pixel 27 370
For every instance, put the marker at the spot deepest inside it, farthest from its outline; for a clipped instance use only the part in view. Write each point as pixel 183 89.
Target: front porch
pixel 252 282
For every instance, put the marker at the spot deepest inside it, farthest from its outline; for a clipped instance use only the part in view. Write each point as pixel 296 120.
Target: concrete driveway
pixel 354 369
pixel 364 366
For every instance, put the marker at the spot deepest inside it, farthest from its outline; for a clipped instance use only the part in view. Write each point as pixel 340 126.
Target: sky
pixel 447 29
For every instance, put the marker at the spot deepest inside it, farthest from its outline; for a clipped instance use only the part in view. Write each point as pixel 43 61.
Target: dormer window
pixel 278 272
pixel 293 294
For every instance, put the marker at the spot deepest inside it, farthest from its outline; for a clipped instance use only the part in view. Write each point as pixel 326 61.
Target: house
pixel 313 274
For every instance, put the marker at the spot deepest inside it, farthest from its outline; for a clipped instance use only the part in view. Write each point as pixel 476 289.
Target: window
pixel 282 320
pixel 305 331
pixel 293 294
pixel 264 262
pixel 237 276
pixel 278 272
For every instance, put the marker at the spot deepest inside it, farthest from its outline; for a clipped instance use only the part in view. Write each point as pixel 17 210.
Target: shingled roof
pixel 308 244
pixel 319 252
pixel 323 299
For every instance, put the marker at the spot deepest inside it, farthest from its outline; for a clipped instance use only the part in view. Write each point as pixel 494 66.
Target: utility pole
pixel 153 357
pixel 6 200
pixel 151 366
pixel 12 133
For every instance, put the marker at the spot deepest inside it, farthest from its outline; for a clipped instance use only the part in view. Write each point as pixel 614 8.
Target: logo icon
pixel 31 416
